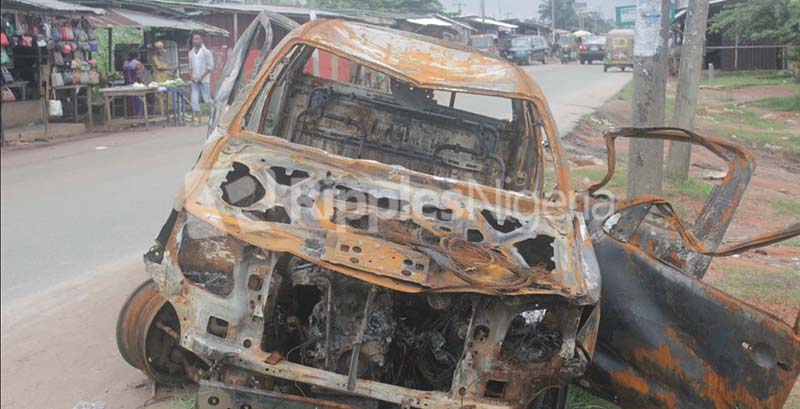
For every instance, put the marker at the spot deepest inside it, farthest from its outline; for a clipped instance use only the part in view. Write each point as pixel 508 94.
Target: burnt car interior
pixel 365 114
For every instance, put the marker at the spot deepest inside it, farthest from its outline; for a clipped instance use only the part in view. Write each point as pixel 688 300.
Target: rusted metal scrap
pixel 356 240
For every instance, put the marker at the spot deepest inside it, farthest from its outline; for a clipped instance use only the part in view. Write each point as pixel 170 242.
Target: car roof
pixel 421 60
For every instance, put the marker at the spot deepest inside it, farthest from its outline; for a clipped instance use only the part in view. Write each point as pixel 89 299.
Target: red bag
pixel 26 41
pixel 66 48
pixel 4 40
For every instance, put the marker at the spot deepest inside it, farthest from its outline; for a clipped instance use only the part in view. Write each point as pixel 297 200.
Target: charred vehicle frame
pixel 350 241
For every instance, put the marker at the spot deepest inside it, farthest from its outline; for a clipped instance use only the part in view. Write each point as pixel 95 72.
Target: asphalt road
pixel 76 218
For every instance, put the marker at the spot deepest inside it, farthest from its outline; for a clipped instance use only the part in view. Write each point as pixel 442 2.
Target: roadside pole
pixel 646 157
pixel 691 65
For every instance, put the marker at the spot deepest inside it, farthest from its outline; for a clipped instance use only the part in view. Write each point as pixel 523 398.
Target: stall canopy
pixel 49 6
pixel 131 18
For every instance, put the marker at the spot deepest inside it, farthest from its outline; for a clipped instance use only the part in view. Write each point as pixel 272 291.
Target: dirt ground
pixel 768 278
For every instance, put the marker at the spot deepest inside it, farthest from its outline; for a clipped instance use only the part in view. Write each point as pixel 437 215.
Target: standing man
pixel 201 63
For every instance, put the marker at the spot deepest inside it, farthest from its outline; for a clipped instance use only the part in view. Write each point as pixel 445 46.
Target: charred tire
pixel 142 343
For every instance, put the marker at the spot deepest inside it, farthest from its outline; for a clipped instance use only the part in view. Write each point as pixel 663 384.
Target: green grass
pixel 785 207
pixel 750 79
pixel 781 286
pixel 741 117
pixel 794 243
pixel 692 187
pixel 616 184
pixel 627 92
pixel 786 140
pixel 788 104
pixel 578 398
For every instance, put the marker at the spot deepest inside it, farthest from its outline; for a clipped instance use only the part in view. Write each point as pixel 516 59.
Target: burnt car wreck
pixel 362 240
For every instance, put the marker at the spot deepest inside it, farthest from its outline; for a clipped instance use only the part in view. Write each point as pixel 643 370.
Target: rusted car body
pixel 358 240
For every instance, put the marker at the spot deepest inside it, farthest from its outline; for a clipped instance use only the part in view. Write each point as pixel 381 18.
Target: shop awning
pixel 48 6
pixel 138 19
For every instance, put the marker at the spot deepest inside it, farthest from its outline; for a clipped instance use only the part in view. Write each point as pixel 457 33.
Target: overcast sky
pixel 523 9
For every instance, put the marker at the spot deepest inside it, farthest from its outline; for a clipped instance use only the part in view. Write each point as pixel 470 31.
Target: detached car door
pixel 667 339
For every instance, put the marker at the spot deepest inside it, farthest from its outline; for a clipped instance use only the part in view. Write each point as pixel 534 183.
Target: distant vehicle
pixel 567 48
pixel 619 49
pixel 592 49
pixel 527 49
pixel 485 42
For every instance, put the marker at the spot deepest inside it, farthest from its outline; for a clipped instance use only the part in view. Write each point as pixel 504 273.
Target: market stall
pixel 48 64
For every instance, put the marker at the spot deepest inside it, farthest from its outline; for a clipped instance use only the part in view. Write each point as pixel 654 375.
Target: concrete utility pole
pixel 694 39
pixel 483 11
pixel 646 157
pixel 553 20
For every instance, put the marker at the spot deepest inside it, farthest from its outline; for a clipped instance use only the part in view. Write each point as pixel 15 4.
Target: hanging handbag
pixel 58 58
pixel 8 96
pixel 66 48
pixel 4 40
pixel 93 46
pixel 4 58
pixel 55 32
pixel 76 76
pixel 56 80
pixel 26 41
pixel 54 107
pixel 94 77
pixel 67 77
pixel 7 78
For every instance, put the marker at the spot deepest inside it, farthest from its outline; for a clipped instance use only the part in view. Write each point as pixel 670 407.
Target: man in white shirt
pixel 201 63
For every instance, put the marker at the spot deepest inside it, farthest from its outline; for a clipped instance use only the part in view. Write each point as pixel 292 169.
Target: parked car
pixel 357 238
pixel 527 49
pixel 592 49
pixel 619 49
pixel 485 42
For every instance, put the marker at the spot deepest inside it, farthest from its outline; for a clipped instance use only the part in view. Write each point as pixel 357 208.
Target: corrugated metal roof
pixel 491 22
pixel 50 5
pixel 252 8
pixel 131 18
pixel 429 21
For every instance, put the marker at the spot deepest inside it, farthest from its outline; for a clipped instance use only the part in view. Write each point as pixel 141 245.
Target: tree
pixel 777 21
pixel 680 153
pixel 397 6
pixel 566 18
pixel 646 157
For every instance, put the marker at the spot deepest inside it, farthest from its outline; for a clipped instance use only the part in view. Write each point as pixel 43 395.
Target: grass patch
pixel 780 287
pixel 785 207
pixel 742 117
pixel 692 187
pixel 578 398
pixel 785 140
pixel 788 104
pixel 615 185
pixel 750 79
pixel 793 243
pixel 627 92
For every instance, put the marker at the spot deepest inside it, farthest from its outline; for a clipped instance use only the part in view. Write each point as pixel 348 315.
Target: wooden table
pixel 76 88
pixel 127 91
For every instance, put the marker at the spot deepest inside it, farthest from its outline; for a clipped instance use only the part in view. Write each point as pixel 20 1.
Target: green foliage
pixel 578 398
pixel 120 35
pixel 777 21
pixel 397 6
pixel 762 286
pixel 566 18
pixel 691 187
pixel 751 80
pixel 790 103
